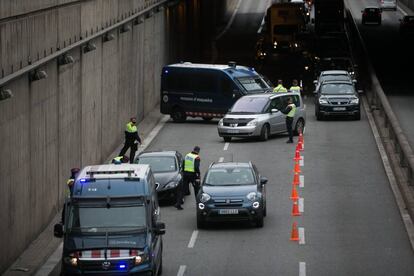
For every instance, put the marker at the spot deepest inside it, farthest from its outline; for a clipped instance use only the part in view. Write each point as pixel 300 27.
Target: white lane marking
pixel 181 270
pixel 193 239
pixel 302 161
pixel 50 264
pixel 301 204
pixel 409 225
pixel 301 181
pixel 230 21
pixel 302 269
pixel 226 146
pixel 301 235
pixel 221 159
pixel 401 10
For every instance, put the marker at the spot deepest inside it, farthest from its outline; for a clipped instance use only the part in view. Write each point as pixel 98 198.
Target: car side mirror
pixel 263 180
pixel 315 82
pixel 159 228
pixel 362 11
pixel 274 110
pixel 58 230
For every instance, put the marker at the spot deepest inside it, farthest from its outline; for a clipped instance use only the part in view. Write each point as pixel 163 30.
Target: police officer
pixel 131 139
pixel 290 111
pixel 120 159
pixel 279 87
pixel 295 87
pixel 191 175
pixel 69 191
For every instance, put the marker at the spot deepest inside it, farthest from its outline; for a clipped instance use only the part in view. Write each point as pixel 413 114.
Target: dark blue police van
pixel 111 223
pixel 206 90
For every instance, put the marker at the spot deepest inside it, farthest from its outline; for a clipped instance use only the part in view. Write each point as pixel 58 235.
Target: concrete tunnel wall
pixel 76 115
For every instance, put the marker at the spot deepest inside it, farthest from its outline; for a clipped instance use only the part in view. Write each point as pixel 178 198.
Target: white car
pixel 388 4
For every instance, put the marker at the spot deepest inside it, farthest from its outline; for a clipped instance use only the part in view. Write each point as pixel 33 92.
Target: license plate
pixel 233 131
pixel 339 108
pixel 228 211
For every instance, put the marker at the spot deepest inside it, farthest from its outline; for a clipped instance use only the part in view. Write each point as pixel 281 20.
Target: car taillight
pixel 364 14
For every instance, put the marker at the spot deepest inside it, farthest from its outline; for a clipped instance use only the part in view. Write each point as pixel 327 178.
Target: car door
pixel 276 119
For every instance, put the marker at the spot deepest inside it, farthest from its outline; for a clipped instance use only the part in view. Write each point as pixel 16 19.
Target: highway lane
pixel 393 59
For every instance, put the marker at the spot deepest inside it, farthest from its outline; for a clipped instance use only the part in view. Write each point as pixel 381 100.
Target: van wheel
pixel 357 116
pixel 300 127
pixel 207 119
pixel 227 139
pixel 264 135
pixel 178 115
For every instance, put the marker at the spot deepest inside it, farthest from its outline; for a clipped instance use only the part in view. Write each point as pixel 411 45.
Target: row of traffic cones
pixel 294 236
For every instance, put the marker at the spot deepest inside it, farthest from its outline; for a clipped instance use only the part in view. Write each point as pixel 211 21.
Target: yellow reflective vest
pixel 279 88
pixel 295 89
pixel 292 112
pixel 189 162
pixel 131 128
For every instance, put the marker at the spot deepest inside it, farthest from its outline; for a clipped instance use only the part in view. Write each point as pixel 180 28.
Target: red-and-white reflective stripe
pixel 111 253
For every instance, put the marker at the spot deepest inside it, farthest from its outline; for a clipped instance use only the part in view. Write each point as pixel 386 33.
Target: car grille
pixel 228 202
pixel 95 265
pixel 236 122
pixel 339 101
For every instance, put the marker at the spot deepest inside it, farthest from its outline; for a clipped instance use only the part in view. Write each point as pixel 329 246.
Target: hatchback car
pixel 167 169
pixel 337 98
pixel 232 192
pixel 407 25
pixel 260 116
pixel 371 15
pixel 388 5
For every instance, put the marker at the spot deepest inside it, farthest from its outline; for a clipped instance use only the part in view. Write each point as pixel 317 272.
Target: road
pixel 392 57
pixel 351 221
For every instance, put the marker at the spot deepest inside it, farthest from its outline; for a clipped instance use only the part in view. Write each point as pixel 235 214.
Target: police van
pixel 206 90
pixel 111 223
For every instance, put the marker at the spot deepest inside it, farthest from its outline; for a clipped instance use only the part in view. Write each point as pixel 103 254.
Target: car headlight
pixel 221 122
pixel 355 101
pixel 204 198
pixel 71 260
pixel 173 183
pixel 141 257
pixel 323 101
pixel 252 196
pixel 252 123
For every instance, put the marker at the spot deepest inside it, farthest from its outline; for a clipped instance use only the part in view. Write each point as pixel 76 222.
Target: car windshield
pixel 249 105
pixel 159 164
pixel 285 29
pixel 335 78
pixel 337 89
pixel 229 176
pixel 252 84
pixel 101 219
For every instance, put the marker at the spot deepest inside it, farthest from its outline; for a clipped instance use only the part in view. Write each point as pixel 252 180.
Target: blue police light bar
pixel 122 266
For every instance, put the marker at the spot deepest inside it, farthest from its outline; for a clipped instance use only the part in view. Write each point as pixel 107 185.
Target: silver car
pixel 388 4
pixel 260 116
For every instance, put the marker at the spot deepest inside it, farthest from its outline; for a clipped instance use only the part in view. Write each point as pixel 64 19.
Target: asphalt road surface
pixel 392 56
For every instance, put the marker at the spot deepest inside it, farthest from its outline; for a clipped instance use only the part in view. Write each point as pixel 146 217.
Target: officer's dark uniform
pixel 290 111
pixel 131 140
pixel 70 182
pixel 191 175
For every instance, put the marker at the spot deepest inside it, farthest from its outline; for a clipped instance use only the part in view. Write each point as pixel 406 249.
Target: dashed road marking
pixel 221 159
pixel 302 161
pixel 181 270
pixel 301 205
pixel 302 269
pixel 193 239
pixel 301 235
pixel 301 181
pixel 226 146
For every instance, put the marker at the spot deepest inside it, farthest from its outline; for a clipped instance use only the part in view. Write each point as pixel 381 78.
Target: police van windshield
pixel 250 105
pixel 252 84
pixel 159 164
pixel 101 219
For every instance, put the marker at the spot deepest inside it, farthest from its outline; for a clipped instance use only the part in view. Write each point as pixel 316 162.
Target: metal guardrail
pixel 30 68
pixel 379 102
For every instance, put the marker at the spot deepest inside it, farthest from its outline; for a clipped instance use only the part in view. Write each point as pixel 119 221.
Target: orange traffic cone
pixel 299 146
pixel 295 208
pixel 297 155
pixel 296 180
pixel 294 194
pixel 297 167
pixel 294 236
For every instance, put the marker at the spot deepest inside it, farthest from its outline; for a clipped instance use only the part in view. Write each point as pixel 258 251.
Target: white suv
pixel 388 4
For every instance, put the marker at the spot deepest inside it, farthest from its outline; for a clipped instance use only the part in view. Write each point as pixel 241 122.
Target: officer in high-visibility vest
pixel 191 175
pixel 290 112
pixel 295 87
pixel 131 139
pixel 279 87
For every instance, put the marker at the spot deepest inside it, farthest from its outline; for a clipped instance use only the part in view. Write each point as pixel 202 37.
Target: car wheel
pixel 319 116
pixel 260 221
pixel 357 116
pixel 300 127
pixel 178 115
pixel 264 134
pixel 363 22
pixel 227 139
pixel 207 119
pixel 264 209
pixel 200 222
